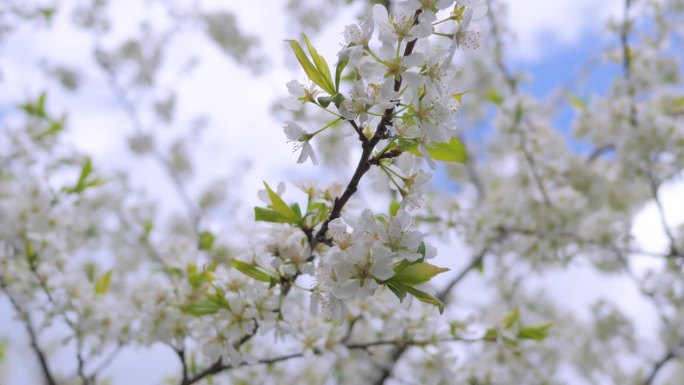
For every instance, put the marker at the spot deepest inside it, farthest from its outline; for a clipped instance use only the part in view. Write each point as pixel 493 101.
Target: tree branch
pixel 658 366
pixel 181 356
pixel 364 163
pixel 33 337
pixel 218 367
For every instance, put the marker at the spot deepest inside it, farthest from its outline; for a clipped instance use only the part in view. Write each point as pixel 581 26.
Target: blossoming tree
pixel 319 288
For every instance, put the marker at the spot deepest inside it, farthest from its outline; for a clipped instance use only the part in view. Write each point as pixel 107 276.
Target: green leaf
pixel 36 108
pixel 147 231
pixel 319 212
pixel 325 101
pixel 202 307
pixel 401 265
pixel 3 349
pixel 102 283
pixel 341 64
pixel 459 96
pixel 394 207
pixel 206 240
pixel 47 14
pixel 480 267
pixel 279 205
pixel 453 151
pixel 494 96
pixel 424 297
pixel 255 272
pixel 577 103
pixel 311 71
pixel 417 274
pixel 490 335
pixel 269 215
pixel 398 291
pixel 55 127
pixel 297 210
pixel 422 250
pixel 90 271
pixel 195 276
pixel 338 99
pixel 321 66
pixel 512 318
pixel 536 333
pixel 83 181
pixel 31 255
pixel 172 271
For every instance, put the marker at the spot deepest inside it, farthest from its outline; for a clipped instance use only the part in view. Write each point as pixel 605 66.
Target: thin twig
pixel 133 116
pixel 105 363
pixel 512 84
pixel 599 151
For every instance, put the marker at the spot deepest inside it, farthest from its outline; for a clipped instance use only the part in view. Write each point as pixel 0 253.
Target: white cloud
pixel 543 25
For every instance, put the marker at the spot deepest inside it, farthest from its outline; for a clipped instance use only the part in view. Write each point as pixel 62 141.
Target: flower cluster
pixel 367 255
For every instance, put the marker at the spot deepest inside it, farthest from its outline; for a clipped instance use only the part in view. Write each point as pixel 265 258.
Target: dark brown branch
pixel 364 163
pixel 474 263
pixel 658 366
pixel 81 365
pixel 184 366
pixel 599 151
pixel 661 213
pixel 33 337
pixel 359 131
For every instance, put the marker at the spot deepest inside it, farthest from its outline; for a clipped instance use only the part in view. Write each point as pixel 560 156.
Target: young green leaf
pixel 453 151
pixel 269 215
pixel 512 318
pixel 311 71
pixel 102 283
pixel 279 205
pixel 536 333
pixel 417 274
pixel 394 207
pixel 202 307
pixel 31 255
pixel 398 291
pixel 424 297
pixel 321 66
pixel 325 101
pixel 341 64
pixel 494 96
pixel 3 349
pixel 422 250
pixel 206 240
pixel 83 179
pixel 253 271
pixel 401 265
